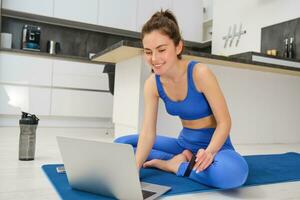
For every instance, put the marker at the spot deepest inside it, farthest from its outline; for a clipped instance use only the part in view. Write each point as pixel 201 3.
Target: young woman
pixel 189 90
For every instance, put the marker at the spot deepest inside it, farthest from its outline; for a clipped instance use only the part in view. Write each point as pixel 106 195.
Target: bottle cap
pixel 28 119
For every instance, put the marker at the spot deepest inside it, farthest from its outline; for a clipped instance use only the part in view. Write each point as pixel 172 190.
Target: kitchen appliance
pixel 53 47
pixel 31 38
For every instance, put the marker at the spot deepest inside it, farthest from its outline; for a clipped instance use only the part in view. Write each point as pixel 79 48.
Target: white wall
pixel 263 105
pixel 253 14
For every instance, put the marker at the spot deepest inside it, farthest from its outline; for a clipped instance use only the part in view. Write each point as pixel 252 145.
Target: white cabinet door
pixel 82 11
pixel 147 8
pixel 118 14
pixel 24 69
pixel 14 99
pixel 189 15
pixel 208 14
pixel 81 103
pixel 39 7
pixel 79 75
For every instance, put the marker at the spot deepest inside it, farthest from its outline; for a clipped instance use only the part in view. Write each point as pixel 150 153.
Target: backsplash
pixel 273 37
pixel 74 42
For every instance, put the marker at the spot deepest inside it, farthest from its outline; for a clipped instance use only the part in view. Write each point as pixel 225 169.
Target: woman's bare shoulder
pixel 201 68
pixel 202 75
pixel 150 85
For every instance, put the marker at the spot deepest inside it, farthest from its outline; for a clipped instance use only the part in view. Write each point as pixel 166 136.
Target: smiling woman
pixel 189 90
pixel 162 40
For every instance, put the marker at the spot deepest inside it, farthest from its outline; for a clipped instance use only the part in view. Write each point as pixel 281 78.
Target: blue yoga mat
pixel 263 169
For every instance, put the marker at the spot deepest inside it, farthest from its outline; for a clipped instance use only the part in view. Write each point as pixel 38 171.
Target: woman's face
pixel 160 51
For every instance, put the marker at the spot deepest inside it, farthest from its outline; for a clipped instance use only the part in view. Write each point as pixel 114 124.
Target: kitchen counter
pixel 264 58
pixel 243 81
pixel 127 49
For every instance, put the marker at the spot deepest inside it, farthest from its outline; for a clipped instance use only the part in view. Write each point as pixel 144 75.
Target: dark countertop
pixel 248 55
pixel 246 58
pixel 239 58
pixel 54 56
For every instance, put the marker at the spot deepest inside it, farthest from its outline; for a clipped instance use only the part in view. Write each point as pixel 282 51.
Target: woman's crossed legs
pixel 228 170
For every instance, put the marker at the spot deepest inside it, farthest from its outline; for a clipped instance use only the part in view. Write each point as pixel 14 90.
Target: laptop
pixel 107 169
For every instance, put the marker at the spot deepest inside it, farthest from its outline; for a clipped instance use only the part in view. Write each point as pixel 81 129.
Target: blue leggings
pixel 228 170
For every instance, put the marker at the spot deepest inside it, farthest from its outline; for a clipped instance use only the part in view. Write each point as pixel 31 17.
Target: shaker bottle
pixel 28 124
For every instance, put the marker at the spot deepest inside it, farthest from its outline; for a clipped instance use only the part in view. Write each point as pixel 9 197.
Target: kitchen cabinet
pixel 77 103
pixel 125 15
pixel 189 15
pixel 207 20
pixel 81 11
pixel 38 7
pixel 79 75
pixel 118 14
pixel 14 99
pixel 208 6
pixel 147 8
pixel 47 86
pixel 25 70
pixel 76 99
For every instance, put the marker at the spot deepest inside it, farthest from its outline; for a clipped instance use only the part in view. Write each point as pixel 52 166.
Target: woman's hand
pixel 203 159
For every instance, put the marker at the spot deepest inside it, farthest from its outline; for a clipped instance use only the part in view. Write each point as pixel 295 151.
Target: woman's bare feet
pixel 188 154
pixel 171 165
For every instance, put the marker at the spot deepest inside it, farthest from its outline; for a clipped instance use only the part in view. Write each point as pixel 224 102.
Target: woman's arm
pixel 148 132
pixel 208 84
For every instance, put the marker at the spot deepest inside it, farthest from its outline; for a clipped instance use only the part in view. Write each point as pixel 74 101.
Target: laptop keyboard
pixel 147 194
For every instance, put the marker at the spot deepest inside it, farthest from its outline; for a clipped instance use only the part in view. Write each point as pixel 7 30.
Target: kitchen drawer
pixel 24 69
pixel 79 75
pixel 14 99
pixel 81 103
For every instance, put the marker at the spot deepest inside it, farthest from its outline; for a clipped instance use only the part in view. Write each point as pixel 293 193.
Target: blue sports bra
pixel 194 106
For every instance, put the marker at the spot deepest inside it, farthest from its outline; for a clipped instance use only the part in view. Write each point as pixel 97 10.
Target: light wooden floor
pixel 25 179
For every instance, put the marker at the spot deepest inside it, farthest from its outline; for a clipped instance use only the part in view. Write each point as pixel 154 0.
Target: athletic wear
pixel 194 106
pixel 228 170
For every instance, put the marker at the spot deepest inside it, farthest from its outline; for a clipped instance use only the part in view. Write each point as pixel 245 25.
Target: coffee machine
pixel 31 38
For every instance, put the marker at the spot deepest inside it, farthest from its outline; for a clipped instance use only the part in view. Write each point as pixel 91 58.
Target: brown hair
pixel 166 23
